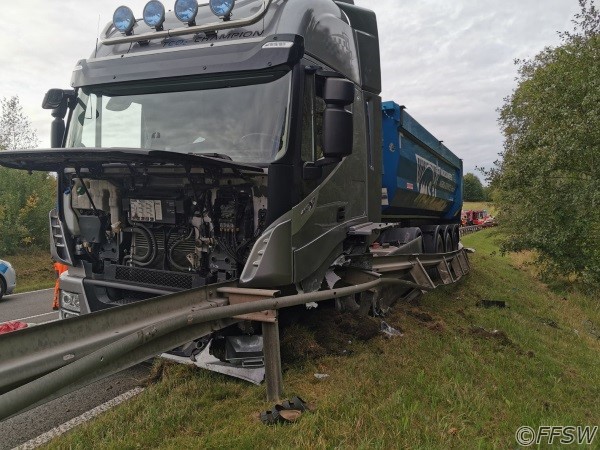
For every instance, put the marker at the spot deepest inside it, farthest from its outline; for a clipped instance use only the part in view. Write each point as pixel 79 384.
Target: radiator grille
pixel 155 277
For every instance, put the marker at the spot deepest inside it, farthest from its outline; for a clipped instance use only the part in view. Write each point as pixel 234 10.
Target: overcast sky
pixel 449 62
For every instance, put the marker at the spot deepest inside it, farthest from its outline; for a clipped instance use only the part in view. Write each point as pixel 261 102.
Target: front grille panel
pixel 152 277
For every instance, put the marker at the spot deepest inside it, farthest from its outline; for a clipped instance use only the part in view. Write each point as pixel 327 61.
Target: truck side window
pixel 109 127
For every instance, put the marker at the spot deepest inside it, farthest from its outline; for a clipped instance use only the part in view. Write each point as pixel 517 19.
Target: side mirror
pixel 338 130
pixel 58 101
pixel 53 99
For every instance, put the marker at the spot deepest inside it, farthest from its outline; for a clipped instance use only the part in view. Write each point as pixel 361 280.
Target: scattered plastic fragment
pixel 12 326
pixel 492 304
pixel 321 376
pixel 389 331
pixel 331 278
pixel 312 305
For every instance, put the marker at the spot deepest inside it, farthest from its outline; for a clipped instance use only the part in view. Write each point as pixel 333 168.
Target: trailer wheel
pixel 431 240
pixel 448 244
pixel 455 236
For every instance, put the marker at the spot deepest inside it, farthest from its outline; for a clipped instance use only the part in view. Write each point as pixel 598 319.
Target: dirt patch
pixel 324 331
pixel 430 321
pixel 498 336
pixel 420 315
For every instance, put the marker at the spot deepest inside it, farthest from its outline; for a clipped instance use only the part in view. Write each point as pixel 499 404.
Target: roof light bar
pixel 184 31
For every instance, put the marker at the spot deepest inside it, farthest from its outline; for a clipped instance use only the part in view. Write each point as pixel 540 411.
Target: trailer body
pixel 421 177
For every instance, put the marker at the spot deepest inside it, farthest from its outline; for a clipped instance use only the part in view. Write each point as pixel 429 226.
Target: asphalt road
pixel 36 307
pixel 26 426
pixel 30 307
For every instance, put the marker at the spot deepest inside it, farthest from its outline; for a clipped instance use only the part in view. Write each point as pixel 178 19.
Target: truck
pixel 242 144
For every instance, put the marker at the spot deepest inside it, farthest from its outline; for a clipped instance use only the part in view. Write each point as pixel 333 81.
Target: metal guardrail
pixel 470 229
pixel 47 361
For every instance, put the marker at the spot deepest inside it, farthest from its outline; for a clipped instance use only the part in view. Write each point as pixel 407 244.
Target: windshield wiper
pixel 213 155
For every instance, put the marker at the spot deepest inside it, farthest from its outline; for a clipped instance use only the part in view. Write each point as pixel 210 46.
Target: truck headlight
pixel 69 300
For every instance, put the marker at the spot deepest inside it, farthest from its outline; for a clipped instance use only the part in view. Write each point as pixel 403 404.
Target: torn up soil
pixel 325 331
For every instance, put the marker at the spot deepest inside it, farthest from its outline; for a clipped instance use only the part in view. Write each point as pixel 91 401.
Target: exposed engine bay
pixel 175 229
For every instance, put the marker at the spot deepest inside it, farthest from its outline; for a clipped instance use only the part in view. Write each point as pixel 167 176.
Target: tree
pixel 473 189
pixel 25 199
pixel 548 183
pixel 15 128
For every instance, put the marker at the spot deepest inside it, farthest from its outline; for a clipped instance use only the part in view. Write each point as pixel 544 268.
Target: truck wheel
pixel 455 236
pixel 2 287
pixel 431 240
pixel 448 246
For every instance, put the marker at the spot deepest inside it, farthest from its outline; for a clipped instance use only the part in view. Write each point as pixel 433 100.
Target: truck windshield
pixel 245 118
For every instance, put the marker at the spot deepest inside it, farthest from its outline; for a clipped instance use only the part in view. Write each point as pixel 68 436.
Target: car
pixel 8 278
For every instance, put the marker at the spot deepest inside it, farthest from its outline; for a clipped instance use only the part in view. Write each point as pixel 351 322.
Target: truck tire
pixel 431 239
pixel 455 236
pixel 2 287
pixel 448 245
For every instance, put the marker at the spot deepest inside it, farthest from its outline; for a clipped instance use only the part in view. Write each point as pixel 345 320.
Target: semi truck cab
pixel 235 141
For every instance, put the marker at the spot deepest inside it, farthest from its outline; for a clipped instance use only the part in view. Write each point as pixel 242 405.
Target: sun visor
pixel 199 55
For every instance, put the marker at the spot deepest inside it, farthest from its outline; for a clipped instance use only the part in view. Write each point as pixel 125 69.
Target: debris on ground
pixel 492 304
pixel 389 331
pixel 321 376
pixel 9 327
pixel 287 412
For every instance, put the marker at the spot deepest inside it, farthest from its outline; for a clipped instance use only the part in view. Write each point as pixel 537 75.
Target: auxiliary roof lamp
pixel 124 20
pixel 154 14
pixel 222 8
pixel 186 11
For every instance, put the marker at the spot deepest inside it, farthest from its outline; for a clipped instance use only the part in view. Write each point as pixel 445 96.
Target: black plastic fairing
pixel 53 160
pixel 190 59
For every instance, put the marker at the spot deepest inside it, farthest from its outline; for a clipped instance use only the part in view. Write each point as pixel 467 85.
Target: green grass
pixel 445 384
pixel 34 270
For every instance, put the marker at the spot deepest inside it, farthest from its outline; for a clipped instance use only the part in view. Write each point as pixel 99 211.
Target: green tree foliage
pixel 548 183
pixel 25 199
pixel 473 189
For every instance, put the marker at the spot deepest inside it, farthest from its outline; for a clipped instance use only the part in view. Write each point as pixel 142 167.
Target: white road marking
pixel 92 413
pixel 33 317
pixel 28 293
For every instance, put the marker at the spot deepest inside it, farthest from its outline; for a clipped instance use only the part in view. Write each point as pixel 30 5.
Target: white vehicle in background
pixel 8 278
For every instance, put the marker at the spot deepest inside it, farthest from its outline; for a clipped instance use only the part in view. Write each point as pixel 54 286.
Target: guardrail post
pixel 272 352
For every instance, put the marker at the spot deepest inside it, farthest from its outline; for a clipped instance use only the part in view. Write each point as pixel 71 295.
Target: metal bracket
pixel 420 275
pixel 464 262
pixel 444 270
pixel 243 295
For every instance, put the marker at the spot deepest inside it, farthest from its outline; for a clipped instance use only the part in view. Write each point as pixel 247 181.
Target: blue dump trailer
pixel 421 177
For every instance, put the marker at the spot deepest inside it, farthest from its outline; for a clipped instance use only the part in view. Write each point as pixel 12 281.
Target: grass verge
pixel 34 270
pixel 449 382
